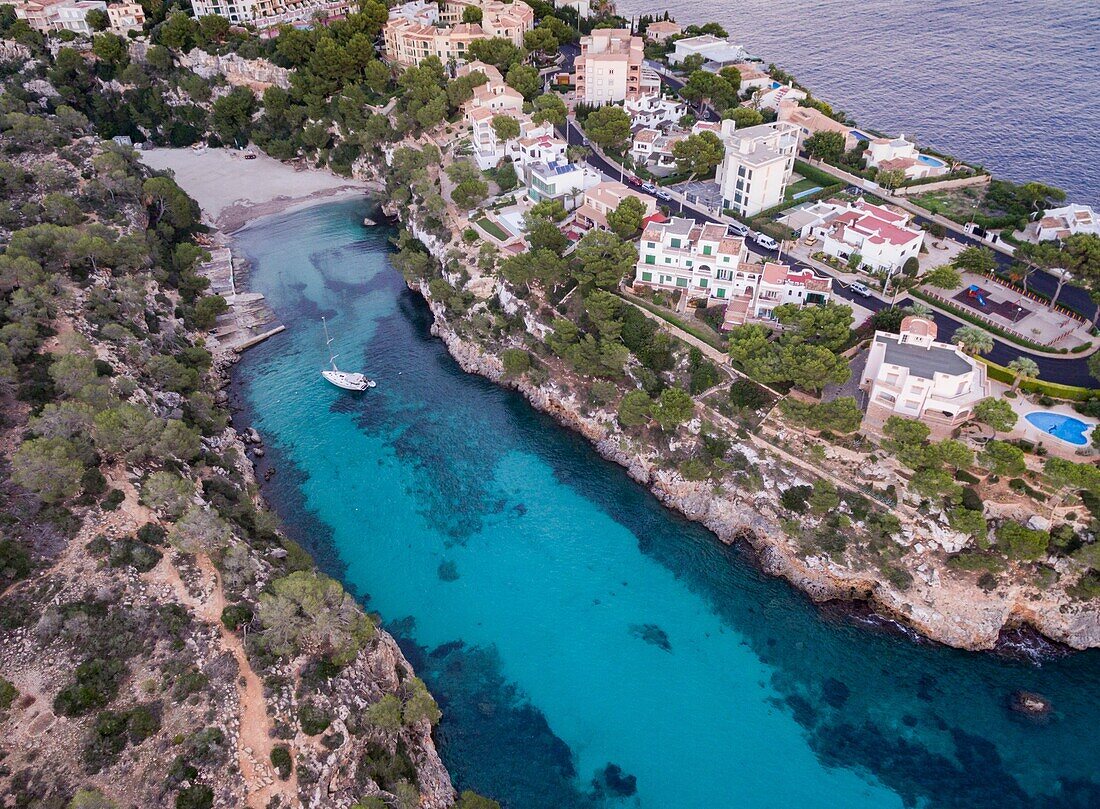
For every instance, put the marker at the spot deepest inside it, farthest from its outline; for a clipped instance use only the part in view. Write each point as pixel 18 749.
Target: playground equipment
pixel 976 292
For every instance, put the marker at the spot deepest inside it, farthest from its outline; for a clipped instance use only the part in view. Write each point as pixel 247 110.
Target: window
pixel 721 293
pixel 676 243
pixel 706 249
pixel 703 283
pixel 681 282
pixel 651 259
pixel 647 276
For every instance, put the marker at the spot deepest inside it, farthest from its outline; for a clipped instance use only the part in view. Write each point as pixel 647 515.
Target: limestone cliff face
pixel 258 74
pixel 948 611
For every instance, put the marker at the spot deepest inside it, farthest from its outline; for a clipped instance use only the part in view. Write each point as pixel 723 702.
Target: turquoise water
pixel 1067 428
pixel 566 621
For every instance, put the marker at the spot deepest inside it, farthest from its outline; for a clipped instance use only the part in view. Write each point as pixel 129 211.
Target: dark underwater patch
pixel 651 634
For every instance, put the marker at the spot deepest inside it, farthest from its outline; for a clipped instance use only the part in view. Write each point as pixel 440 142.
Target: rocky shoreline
pixel 945 616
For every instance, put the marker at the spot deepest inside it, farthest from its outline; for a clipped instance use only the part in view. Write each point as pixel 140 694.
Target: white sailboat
pixel 342 379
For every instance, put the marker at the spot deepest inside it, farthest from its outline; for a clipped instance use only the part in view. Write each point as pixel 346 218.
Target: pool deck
pixel 1026 403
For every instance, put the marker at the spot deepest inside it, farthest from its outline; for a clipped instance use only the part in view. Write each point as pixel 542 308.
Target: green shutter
pixel 681 282
pixel 651 259
pixel 675 242
pixel 647 276
pixel 721 292
pixel 703 283
pixel 706 249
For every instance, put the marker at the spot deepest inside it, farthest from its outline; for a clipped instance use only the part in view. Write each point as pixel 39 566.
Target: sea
pixel 1012 85
pixel 588 647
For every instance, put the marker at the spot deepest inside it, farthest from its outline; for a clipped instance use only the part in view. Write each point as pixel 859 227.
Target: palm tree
pixel 917 309
pixel 973 340
pixel 1023 368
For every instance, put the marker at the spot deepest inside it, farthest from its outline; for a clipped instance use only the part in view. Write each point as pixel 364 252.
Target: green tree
pixel 549 108
pixel 1031 257
pixel 1023 368
pixel 673 408
pixel 540 41
pixel 890 178
pixel 516 361
pixel 231 116
pixel 601 259
pixel 997 413
pixel 626 220
pixel 698 154
pixel 944 277
pixel 167 493
pixel 824 498
pixel 48 467
pixel 505 127
pixel 635 409
pixel 524 79
pixel 419 704
pixel 97 19
pixel 386 713
pixel 978 260
pixel 1022 543
pixel 471 800
pixel 1002 458
pixel 496 51
pixel 825 145
pixel 973 340
pixel 744 117
pixel 609 127
pixel 200 530
pixel 544 234
pixel 307 611
pixel 829 325
pixel 91 798
pixel 179 32
pixel 471 14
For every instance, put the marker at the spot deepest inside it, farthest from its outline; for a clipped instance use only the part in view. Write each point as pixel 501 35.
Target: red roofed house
pixel 882 238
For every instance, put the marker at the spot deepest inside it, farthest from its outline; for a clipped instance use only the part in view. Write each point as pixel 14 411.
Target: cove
pixel 566 621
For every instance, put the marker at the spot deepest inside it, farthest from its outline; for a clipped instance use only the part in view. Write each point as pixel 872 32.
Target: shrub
pixel 236 614
pixel 8 693
pixel 96 683
pixel 197 796
pixel 795 498
pixel 313 720
pixel 15 562
pixel 1022 543
pixel 113 500
pixel 281 761
pixel 516 361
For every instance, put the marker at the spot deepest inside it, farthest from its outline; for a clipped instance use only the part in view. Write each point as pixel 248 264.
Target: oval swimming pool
pixel 1063 427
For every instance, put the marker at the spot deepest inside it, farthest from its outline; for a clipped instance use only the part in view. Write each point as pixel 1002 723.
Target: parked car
pixel 739 229
pixel 662 194
pixel 649 188
pixel 810 241
pixel 633 180
pixel 767 242
pixel 860 289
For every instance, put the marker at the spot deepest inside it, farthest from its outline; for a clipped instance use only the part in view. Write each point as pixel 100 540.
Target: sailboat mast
pixel 328 344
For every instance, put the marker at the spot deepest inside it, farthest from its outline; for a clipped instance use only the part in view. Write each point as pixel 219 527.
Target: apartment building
pixel 508 20
pixel 757 167
pixel 266 14
pixel 609 67
pixel 912 374
pixel 67 15
pixel 700 260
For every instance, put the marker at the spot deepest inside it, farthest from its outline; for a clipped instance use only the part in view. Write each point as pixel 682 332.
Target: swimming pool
pixel 861 135
pixel 928 160
pixel 1065 428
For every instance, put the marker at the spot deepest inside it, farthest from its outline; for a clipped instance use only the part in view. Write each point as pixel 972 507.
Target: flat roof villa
pixel 715 51
pixel 912 374
pixel 1061 223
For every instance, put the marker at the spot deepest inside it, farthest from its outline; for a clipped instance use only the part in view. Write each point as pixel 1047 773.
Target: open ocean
pixel 1008 84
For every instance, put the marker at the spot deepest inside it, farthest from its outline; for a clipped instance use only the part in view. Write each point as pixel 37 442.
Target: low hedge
pixel 1052 389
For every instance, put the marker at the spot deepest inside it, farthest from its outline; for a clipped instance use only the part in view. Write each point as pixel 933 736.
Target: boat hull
pixel 342 379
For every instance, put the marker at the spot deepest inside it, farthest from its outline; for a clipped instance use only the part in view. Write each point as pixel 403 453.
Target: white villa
pixel 889 154
pixel 716 52
pixel 880 236
pixel 1059 223
pixel 912 374
pixel 651 111
pixel 661 30
pixel 560 180
pixel 605 197
pixel 758 165
pixel 810 121
pixel 771 96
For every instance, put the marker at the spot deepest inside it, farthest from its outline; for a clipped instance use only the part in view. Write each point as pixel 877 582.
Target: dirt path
pixel 254 741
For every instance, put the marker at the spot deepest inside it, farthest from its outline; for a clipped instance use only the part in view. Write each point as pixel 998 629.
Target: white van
pixel 767 242
pixel 739 229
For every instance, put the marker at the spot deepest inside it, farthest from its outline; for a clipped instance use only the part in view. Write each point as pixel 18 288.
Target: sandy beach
pixel 233 191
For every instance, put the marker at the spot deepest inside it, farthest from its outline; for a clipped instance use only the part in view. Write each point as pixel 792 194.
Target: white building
pixel 899 154
pixel 266 14
pixel 912 374
pixel 654 111
pixel 715 52
pixel 781 284
pixel 602 198
pixel 610 67
pixel 771 96
pixel 880 236
pixel 662 30
pixel 1060 223
pixel 652 148
pixel 125 17
pixel 757 166
pixel 701 260
pixel 560 180
pixel 72 16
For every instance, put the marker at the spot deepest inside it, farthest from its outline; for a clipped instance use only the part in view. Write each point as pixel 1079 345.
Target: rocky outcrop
pixel 13 52
pixel 258 74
